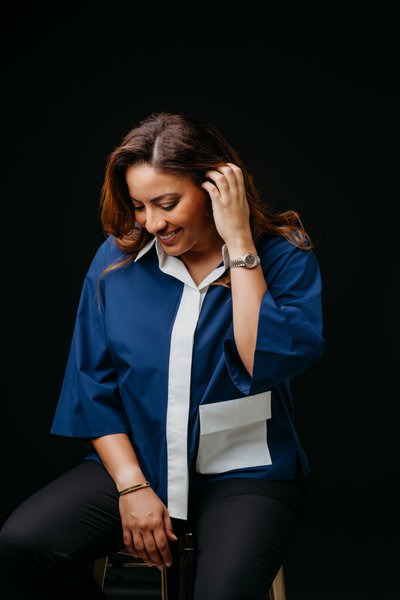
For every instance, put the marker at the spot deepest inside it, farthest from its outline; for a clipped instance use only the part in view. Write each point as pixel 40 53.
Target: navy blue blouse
pixel 153 355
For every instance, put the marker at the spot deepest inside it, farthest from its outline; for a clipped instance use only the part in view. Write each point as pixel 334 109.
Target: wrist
pixel 128 477
pixel 239 245
pixel 238 248
pixel 133 488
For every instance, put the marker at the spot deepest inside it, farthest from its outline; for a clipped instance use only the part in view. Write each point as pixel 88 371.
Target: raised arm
pixel 231 216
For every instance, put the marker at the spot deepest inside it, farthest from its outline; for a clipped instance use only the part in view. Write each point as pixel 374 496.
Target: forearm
pixel 248 288
pixel 119 458
pixel 145 519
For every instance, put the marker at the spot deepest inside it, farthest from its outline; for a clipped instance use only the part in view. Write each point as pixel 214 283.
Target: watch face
pixel 250 260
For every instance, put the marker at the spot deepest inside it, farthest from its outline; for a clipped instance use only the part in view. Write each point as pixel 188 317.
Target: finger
pixel 220 180
pixel 234 175
pixel 231 177
pixel 163 546
pixel 227 184
pixel 131 549
pixel 229 170
pixel 141 549
pixel 169 530
pixel 152 549
pixel 239 177
pixel 128 542
pixel 211 189
pixel 237 170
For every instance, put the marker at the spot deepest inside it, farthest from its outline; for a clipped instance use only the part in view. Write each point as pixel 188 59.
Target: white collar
pixel 176 267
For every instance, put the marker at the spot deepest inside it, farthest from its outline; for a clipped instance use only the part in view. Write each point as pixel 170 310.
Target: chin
pixel 172 251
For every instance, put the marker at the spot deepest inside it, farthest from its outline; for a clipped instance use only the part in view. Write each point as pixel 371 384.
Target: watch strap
pixel 248 261
pixel 237 262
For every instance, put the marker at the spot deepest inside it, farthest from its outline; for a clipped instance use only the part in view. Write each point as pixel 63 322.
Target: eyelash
pixel 163 206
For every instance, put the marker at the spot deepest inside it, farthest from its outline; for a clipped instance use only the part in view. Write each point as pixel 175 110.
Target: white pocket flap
pixel 233 434
pixel 234 413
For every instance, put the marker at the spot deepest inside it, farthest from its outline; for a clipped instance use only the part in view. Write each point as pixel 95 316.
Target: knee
pixel 231 583
pixel 14 543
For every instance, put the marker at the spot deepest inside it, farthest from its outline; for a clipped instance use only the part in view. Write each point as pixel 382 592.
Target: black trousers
pixel 242 528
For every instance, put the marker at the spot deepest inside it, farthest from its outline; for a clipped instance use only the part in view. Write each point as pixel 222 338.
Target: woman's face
pixel 173 209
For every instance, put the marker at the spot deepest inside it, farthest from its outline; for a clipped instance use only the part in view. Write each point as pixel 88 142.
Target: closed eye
pixel 140 207
pixel 168 206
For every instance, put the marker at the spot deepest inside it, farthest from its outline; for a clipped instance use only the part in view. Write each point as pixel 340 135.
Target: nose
pixel 154 222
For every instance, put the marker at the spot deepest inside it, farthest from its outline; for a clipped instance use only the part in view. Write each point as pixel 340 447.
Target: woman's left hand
pixel 230 207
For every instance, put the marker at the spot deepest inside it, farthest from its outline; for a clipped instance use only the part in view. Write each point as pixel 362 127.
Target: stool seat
pixel 276 592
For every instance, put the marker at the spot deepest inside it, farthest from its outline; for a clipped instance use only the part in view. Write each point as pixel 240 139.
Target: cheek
pixel 139 217
pixel 200 212
pixel 204 214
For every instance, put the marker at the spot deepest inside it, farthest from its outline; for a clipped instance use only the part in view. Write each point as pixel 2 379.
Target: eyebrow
pixel 157 198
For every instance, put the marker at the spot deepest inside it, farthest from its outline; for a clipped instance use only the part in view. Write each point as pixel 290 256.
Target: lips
pixel 167 236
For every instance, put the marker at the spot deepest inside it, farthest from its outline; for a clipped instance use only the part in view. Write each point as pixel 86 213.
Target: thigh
pixel 76 515
pixel 241 543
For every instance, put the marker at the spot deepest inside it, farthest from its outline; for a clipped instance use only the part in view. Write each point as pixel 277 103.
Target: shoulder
pixel 278 247
pixel 110 250
pixel 107 254
pixel 278 255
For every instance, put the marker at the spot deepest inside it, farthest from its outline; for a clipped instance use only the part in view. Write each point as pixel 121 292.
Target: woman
pixel 197 309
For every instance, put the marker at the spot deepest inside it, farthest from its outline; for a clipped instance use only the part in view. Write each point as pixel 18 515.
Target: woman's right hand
pixel 147 527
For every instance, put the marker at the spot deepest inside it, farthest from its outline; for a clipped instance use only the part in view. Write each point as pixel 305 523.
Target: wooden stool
pixel 276 592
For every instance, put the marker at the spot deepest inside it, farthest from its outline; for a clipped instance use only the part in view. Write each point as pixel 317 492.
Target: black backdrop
pixel 311 104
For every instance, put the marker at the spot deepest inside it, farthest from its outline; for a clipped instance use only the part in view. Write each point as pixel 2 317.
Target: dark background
pixel 311 102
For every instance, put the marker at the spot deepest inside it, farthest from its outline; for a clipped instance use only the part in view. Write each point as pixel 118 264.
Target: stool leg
pixel 99 570
pixel 186 566
pixel 164 588
pixel 277 591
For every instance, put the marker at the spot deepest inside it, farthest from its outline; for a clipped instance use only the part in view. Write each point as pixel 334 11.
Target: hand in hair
pixel 229 202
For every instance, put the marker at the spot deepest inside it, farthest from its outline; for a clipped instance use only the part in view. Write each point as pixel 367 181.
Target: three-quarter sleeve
pixel 289 334
pixel 89 404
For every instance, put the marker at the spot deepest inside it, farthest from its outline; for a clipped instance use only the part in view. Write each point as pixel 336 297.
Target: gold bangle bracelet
pixel 133 488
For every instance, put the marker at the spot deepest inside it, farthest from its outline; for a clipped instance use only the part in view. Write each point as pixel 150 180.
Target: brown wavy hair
pixel 185 146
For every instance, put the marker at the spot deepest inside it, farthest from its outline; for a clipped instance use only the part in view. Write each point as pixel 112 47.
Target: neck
pixel 201 262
